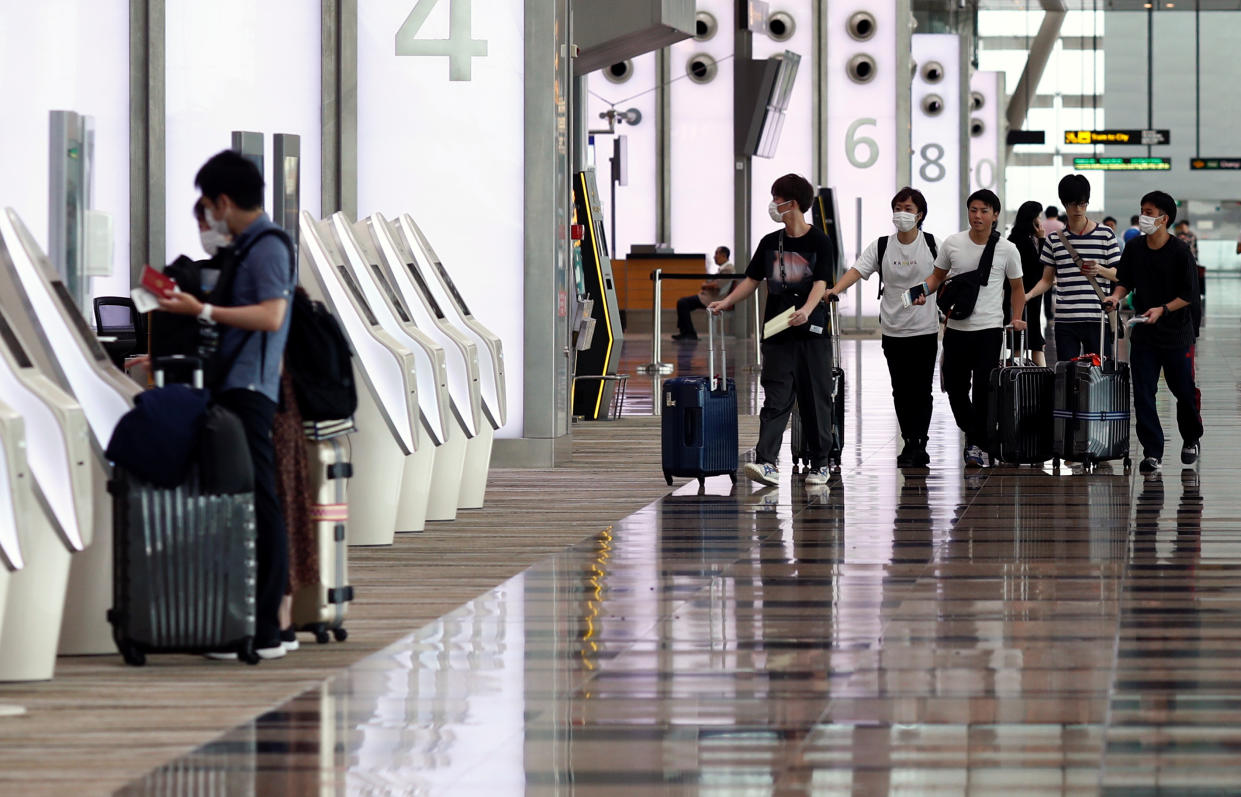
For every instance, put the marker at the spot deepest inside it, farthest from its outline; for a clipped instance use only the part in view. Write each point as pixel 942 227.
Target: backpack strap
pixel 882 245
pixel 988 257
pixel 240 254
pixel 930 243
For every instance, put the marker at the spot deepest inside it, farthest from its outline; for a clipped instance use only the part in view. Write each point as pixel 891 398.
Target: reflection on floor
pixel 1019 632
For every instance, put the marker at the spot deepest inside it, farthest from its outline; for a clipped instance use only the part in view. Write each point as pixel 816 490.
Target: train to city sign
pixel 1144 138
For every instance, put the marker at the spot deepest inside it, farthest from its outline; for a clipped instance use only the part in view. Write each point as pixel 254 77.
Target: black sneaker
pixel 683 336
pixel 1189 453
pixel 1149 465
pixel 905 458
pixel 919 458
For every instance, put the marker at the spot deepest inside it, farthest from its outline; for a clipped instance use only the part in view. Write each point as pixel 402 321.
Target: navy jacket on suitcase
pixel 699 431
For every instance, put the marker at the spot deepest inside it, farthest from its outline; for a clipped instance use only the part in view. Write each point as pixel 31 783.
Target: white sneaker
pixel 277 652
pixel 762 472
pixel 818 476
pixel 288 639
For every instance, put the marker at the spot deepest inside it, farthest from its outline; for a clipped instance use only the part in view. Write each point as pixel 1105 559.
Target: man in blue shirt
pixel 254 327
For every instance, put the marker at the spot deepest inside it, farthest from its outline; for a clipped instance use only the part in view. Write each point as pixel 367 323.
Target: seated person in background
pixel 710 291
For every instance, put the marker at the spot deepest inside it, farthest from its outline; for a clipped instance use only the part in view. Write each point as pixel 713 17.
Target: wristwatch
pixel 1165 309
pixel 204 315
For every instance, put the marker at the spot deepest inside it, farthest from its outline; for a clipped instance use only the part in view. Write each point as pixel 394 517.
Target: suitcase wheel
pixel 733 476
pixel 341 634
pixel 246 651
pixel 1128 465
pixel 702 482
pixel 132 656
pixel 668 478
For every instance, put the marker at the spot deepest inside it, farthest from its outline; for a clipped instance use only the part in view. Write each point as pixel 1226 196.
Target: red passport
pixel 157 282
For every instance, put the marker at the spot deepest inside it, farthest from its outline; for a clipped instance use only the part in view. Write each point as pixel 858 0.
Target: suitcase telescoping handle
pixel 161 364
pixel 719 379
pixel 1103 319
pixel 1015 346
pixel 833 320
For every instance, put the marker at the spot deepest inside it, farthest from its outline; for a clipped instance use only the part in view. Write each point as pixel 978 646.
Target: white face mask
pixel 1148 224
pixel 218 225
pixel 773 210
pixel 213 241
pixel 904 222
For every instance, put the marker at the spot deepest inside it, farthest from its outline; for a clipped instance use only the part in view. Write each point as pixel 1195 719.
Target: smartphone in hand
pixel 913 294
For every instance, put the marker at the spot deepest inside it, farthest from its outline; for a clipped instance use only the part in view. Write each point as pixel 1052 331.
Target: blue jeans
pixel 1178 371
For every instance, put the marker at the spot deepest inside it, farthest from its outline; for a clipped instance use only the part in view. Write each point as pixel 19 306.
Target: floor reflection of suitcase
pixel 320 608
pixel 801 454
pixel 699 420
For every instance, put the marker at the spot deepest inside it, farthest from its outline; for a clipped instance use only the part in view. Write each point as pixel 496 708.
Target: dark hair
pixel 1052 211
pixel 1073 188
pixel 233 175
pixel 1182 221
pixel 200 212
pixel 1023 224
pixel 1133 221
pixel 727 252
pixel 908 194
pixel 1112 219
pixel 984 195
pixel 796 188
pixel 1163 201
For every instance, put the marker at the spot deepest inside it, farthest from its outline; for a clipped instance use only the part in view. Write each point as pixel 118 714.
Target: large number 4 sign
pixel 459 46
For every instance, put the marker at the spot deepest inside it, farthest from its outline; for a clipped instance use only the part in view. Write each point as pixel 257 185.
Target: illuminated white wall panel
pixel 935 129
pixel 236 65
pixel 795 152
pixel 451 153
pixel 701 154
pixel 867 129
pixel 636 205
pixel 67 55
pixel 987 128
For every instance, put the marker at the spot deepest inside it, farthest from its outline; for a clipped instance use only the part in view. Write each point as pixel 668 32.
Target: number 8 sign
pixel 938 115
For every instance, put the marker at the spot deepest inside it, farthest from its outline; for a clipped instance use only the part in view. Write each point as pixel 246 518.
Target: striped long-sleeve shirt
pixel 1075 298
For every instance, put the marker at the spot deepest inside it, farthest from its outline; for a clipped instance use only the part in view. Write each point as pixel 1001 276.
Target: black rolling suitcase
pixel 699 420
pixel 1091 407
pixel 184 557
pixel 801 454
pixel 1019 406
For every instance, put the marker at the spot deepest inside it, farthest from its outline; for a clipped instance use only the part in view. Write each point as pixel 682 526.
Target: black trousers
pixel 256 412
pixel 911 364
pixel 798 369
pixel 1080 337
pixel 686 305
pixel 968 360
pixel 1145 363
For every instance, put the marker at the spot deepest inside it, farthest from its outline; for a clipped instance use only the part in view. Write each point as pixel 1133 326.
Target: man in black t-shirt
pixel 1160 271
pixel 797 362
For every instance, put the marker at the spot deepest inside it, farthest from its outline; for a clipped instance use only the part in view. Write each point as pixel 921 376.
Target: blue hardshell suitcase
pixel 699 430
pixel 1092 406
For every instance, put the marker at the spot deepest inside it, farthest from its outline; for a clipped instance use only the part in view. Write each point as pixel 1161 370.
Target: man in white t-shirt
pixel 972 344
pixel 910 332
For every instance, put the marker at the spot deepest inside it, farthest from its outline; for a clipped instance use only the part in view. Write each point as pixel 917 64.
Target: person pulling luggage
pixel 903 262
pixel 797 362
pixel 1159 269
pixel 255 326
pixel 973 302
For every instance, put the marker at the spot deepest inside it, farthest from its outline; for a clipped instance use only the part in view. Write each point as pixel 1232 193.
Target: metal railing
pixel 657 366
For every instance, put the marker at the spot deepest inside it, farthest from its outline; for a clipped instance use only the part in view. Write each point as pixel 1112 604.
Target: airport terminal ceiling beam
pixel 339 81
pixel 147 116
pixel 1036 61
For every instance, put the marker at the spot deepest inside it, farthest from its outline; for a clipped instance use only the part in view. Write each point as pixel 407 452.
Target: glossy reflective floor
pixel 1020 632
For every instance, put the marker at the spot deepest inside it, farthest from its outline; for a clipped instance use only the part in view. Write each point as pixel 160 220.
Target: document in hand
pixel 778 323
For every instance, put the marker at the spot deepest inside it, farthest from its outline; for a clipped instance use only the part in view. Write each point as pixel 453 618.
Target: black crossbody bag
pixel 958 295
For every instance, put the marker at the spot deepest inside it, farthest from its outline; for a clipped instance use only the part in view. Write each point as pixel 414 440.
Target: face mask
pixel 773 210
pixel 217 224
pixel 1148 224
pixel 213 241
pixel 904 222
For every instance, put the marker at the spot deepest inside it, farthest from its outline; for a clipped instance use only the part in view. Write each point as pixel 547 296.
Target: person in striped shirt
pixel 1077 303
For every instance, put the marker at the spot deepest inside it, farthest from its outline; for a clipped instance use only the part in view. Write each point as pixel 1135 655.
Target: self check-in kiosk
pixel 57 514
pixel 403 270
pixel 593 397
pixel 387 389
pixel 63 347
pixel 493 398
pixel 436 451
pixel 15 509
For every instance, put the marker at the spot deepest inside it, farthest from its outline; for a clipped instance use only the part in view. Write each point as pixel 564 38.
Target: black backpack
pixel 882 244
pixel 320 362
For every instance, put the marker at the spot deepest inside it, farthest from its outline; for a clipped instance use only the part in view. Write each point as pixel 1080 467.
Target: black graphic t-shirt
pixel 807 260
